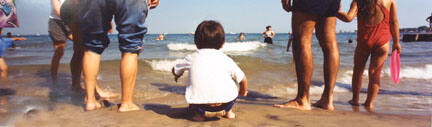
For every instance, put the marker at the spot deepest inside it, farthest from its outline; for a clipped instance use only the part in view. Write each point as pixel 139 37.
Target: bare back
pixel 377 14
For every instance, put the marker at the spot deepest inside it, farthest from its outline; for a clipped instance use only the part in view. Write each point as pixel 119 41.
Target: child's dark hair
pixel 209 34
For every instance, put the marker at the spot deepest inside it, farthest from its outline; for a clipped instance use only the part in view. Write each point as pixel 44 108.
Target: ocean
pixel 269 68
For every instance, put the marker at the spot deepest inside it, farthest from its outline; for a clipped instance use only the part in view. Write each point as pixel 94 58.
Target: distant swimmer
pixel 161 37
pixel 268 35
pixel 350 41
pixel 429 19
pixel 241 36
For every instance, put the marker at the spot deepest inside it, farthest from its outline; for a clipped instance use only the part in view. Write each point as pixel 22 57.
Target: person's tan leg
pixel 378 58
pixel 59 48
pixel 91 63
pixel 3 68
pixel 325 31
pixel 303 25
pixel 360 58
pixel 128 73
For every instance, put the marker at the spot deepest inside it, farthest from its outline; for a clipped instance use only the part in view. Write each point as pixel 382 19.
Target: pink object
pixel 395 66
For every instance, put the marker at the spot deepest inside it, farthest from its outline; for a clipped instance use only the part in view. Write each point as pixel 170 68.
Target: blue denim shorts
pixel 129 15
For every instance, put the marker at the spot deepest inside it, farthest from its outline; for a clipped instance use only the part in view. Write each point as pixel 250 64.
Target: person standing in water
pixel 377 25
pixel 94 18
pixel 4 44
pixel 429 19
pixel 290 40
pixel 59 33
pixel 268 35
pixel 310 15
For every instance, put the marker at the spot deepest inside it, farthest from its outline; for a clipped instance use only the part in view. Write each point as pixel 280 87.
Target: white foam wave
pixel 228 46
pixel 161 65
pixel 405 72
pixel 316 90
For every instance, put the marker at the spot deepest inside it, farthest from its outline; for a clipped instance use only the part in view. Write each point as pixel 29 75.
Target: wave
pixel 161 65
pixel 409 72
pixel 228 46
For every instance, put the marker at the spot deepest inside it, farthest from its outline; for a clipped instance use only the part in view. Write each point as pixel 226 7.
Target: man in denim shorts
pixel 95 17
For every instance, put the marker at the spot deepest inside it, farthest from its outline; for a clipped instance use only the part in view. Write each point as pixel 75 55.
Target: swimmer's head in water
pixel 209 34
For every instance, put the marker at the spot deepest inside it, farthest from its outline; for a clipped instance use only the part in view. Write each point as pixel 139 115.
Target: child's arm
pixel 176 76
pixel 286 4
pixel 243 87
pixel 394 27
pixel 180 67
pixel 18 39
pixel 348 17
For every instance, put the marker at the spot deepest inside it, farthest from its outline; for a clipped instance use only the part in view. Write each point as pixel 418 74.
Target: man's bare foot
pixel 127 107
pixel 230 115
pixel 106 95
pixel 90 106
pixel 353 103
pixel 294 104
pixel 198 117
pixel 324 105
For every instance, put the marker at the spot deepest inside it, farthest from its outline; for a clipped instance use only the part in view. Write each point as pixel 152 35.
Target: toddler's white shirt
pixel 213 77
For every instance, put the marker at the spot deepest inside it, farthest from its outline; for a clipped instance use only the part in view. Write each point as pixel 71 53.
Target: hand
pixel 398 47
pixel 286 5
pixel 153 3
pixel 243 93
pixel 176 77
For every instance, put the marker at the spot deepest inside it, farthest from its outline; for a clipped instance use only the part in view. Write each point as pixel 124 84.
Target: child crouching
pixel 212 89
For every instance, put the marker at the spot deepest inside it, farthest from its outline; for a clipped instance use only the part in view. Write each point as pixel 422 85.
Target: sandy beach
pixel 33 100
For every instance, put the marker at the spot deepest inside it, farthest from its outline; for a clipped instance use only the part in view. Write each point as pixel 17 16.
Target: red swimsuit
pixel 371 37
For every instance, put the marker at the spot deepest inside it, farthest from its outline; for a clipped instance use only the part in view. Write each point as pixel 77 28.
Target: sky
pixel 183 16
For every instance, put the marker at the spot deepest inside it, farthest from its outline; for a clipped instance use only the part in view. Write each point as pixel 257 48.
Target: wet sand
pixel 33 100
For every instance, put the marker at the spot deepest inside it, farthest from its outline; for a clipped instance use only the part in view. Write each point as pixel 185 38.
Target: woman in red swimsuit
pixel 377 24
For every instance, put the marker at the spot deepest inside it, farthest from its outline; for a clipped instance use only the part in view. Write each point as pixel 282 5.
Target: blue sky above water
pixel 182 16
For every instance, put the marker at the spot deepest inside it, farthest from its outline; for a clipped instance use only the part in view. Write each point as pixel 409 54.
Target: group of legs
pixel 303 25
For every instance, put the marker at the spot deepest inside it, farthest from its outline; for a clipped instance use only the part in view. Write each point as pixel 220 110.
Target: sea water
pixel 269 67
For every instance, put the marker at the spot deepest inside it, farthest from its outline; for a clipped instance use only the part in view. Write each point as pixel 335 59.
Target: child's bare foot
pixel 92 105
pixel 368 107
pixel 230 115
pixel 295 104
pixel 198 117
pixel 127 107
pixel 324 104
pixel 353 103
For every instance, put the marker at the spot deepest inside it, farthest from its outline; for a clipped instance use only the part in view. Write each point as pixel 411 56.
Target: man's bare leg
pixel 325 31
pixel 3 68
pixel 378 58
pixel 360 58
pixel 91 62
pixel 128 73
pixel 59 48
pixel 303 25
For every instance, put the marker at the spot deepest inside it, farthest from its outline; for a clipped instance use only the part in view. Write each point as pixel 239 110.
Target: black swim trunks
pixel 325 8
pixel 268 40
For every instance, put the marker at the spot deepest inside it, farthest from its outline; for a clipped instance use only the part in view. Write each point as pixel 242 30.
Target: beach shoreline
pixel 37 101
